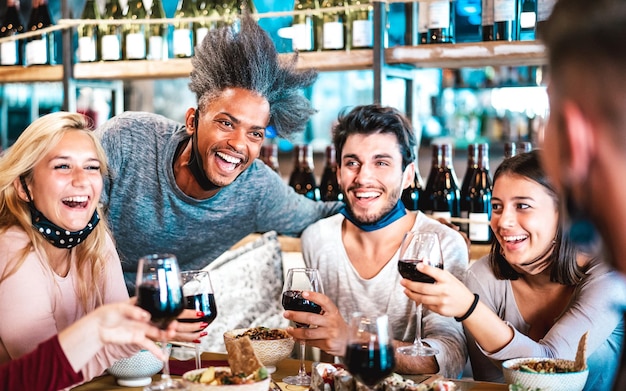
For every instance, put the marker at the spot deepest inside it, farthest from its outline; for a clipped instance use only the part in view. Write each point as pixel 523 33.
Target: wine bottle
pixel 527 20
pixel 88 33
pixel 427 206
pixel 333 26
pixel 111 34
pixel 206 9
pixel 441 21
pixel 413 196
pixel 269 156
pixel 304 26
pixel 361 31
pixel 470 171
pixel 226 10
pixel 183 39
pixel 40 49
pixel 487 20
pixel 11 52
pixel 480 199
pixel 134 36
pixel 505 20
pixel 329 187
pixel 524 146
pixel 302 178
pixel 445 194
pixel 422 23
pixel 544 9
pixel 157 33
pixel 510 149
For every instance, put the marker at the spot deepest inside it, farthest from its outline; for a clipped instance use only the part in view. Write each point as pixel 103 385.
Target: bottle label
pixel 302 36
pixel 201 32
pixel 156 48
pixel 182 42
pixel 333 35
pixel 503 10
pixel 135 46
pixel 362 34
pixel 487 12
pixel 86 49
pixel 8 53
pixel 441 215
pixel 479 227
pixel 37 51
pixel 439 15
pixel 422 17
pixel 527 20
pixel 544 9
pixel 111 48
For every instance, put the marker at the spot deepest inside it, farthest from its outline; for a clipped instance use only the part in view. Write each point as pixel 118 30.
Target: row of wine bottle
pixel 440 196
pixel 501 20
pixel 34 50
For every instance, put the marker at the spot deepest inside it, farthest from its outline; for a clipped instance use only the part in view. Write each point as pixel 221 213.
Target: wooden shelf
pixel 478 54
pixel 425 56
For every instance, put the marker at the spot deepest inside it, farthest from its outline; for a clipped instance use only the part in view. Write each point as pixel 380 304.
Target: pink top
pixel 36 303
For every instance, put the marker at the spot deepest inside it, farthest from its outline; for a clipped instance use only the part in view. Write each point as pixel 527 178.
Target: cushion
pixel 248 283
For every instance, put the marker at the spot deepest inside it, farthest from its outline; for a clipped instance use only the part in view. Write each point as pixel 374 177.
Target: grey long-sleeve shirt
pixel 323 249
pixel 148 213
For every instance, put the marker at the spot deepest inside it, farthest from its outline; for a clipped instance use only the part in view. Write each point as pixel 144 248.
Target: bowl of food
pixel 270 345
pixel 137 370
pixel 222 379
pixel 552 374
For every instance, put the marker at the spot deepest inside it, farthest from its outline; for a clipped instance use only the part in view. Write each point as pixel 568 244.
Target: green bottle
pixel 206 9
pixel 361 32
pixel 111 34
pixel 304 26
pixel 333 26
pixel 227 11
pixel 183 40
pixel 157 33
pixel 135 34
pixel 88 33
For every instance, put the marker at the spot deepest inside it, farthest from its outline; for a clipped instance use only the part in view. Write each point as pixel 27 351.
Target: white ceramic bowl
pixel 269 351
pixel 137 370
pixel 567 381
pixel 262 385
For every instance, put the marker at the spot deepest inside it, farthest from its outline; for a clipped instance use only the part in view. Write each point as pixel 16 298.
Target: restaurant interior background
pixel 460 106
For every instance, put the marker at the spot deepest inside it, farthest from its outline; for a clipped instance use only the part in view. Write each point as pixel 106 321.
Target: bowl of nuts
pixel 270 345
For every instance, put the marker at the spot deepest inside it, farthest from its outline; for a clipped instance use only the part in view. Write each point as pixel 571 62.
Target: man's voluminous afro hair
pixel 247 58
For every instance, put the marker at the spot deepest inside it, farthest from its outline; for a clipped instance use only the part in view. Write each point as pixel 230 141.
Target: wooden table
pixel 283 369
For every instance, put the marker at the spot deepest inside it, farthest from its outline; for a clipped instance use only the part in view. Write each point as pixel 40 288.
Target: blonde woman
pixel 58 260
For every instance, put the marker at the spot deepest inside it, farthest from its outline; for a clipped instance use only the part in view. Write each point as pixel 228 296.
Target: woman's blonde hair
pixel 29 149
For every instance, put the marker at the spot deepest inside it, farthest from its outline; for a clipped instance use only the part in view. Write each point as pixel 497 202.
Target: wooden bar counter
pixel 283 369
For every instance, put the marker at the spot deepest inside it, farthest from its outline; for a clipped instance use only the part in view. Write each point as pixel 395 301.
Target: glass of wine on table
pixel 369 350
pixel 419 247
pixel 299 280
pixel 199 296
pixel 159 291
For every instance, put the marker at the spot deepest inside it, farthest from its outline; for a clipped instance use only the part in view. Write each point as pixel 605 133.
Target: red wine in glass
pixel 408 270
pixel 204 302
pixel 163 308
pixel 293 301
pixel 369 364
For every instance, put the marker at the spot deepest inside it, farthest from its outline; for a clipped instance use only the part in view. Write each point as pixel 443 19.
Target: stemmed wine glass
pixel 419 247
pixel 199 296
pixel 369 350
pixel 159 292
pixel 297 281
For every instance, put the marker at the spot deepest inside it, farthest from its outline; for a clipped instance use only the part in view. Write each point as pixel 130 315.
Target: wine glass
pixel 159 292
pixel 419 247
pixel 369 350
pixel 199 296
pixel 297 281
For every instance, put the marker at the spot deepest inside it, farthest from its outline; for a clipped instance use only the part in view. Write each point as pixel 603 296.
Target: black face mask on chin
pixel 195 162
pixel 57 236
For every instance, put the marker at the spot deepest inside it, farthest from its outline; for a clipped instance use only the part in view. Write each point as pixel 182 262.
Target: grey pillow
pixel 248 284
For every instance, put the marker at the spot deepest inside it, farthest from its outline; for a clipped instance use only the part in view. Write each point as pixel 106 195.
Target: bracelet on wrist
pixel 470 310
